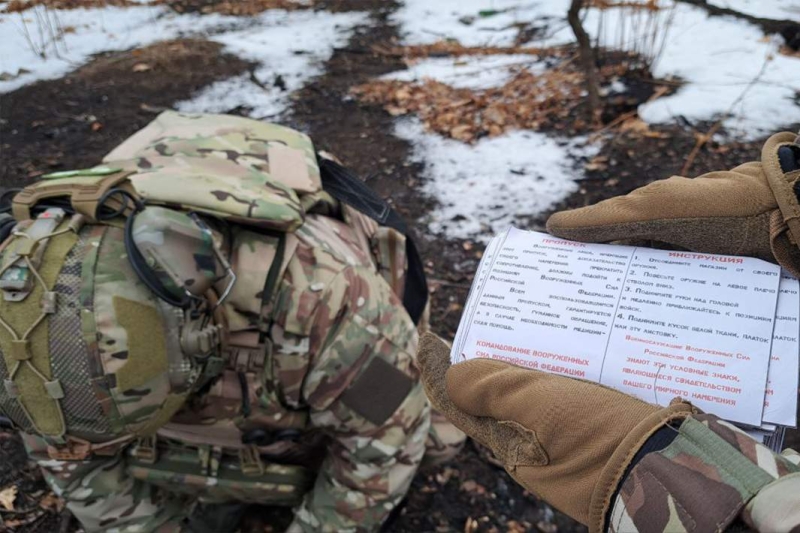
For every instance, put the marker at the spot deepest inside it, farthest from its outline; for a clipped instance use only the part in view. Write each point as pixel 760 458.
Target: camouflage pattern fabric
pixel 331 318
pixel 238 169
pixel 103 497
pixel 330 349
pixel 711 475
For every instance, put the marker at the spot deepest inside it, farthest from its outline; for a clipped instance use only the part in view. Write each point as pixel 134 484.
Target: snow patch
pixel 729 67
pixel 482 188
pixel 469 72
pixel 28 53
pixel 768 9
pixel 718 57
pixel 289 48
pixel 473 22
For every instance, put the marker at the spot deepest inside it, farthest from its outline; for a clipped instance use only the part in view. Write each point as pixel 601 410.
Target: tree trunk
pixel 587 59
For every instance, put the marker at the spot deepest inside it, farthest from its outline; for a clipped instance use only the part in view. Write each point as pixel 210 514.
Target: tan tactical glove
pixel 565 440
pixel 751 210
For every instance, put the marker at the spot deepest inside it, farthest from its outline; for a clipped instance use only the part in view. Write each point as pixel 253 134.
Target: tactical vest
pixel 263 179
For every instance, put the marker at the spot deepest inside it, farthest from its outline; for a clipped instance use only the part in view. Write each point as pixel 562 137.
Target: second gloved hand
pixel 751 210
pixel 567 441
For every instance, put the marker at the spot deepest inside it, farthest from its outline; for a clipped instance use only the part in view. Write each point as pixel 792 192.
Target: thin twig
pixel 449 283
pixel 702 139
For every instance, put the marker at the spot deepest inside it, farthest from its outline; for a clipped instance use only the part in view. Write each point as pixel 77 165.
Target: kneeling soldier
pixel 199 324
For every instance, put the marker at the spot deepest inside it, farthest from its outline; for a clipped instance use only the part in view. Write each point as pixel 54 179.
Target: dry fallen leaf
pixel 473 486
pixel 51 502
pixel 7 497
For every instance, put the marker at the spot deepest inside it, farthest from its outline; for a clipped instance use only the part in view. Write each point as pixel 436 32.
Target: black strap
pixel 274 270
pixel 346 187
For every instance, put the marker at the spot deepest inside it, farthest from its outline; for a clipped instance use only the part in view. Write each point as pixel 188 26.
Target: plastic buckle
pixel 11 388
pixel 49 302
pixel 145 449
pixel 54 389
pixel 250 461
pixel 20 350
pixel 25 247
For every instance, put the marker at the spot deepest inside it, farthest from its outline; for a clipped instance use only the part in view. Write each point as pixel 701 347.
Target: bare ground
pixel 74 121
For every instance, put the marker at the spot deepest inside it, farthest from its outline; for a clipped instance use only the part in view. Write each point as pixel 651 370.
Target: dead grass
pixel 228 7
pixel 528 101
pixel 453 48
pixel 650 5
pixel 18 6
pixel 240 8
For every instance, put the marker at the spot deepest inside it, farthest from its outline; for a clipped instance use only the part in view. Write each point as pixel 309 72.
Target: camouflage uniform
pixel 329 352
pixel 711 475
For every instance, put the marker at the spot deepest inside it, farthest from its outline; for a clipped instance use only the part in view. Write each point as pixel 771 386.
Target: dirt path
pixel 73 121
pixel 442 499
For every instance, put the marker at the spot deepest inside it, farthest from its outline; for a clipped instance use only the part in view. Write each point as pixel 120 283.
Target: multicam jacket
pixel 328 352
pixel 710 477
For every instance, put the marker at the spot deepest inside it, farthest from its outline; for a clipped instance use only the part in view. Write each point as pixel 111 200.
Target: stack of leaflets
pixel 719 331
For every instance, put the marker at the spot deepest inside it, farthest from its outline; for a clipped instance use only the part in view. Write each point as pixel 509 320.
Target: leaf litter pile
pixel 553 99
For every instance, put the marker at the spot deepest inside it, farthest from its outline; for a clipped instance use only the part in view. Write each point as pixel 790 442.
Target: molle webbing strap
pixel 343 185
pixel 287 245
pixel 84 193
pixel 28 348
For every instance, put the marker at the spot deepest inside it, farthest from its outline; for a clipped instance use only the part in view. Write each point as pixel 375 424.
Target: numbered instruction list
pixel 655 324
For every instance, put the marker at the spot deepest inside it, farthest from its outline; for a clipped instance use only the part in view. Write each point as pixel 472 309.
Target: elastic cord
pixel 135 257
pixel 144 272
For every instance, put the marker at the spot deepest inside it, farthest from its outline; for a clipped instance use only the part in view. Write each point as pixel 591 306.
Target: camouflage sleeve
pixel 709 477
pixel 776 507
pixel 103 497
pixel 363 387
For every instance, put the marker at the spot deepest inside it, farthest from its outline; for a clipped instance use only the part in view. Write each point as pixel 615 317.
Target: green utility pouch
pixel 216 475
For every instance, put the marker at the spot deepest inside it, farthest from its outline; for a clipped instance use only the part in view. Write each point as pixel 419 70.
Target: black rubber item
pixel 346 187
pixel 789 158
pixel 216 517
pixel 7 224
pixel 258 437
pixel 6 199
pixel 143 271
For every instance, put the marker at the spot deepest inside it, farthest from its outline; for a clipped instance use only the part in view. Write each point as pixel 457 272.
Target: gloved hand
pixel 567 441
pixel 751 210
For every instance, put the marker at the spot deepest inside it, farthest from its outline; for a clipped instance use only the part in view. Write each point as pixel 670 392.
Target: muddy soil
pixel 72 122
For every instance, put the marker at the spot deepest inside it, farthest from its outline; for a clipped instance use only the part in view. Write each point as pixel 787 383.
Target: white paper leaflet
pixel 655 324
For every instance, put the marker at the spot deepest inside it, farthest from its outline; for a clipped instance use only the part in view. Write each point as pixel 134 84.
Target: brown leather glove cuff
pixel 614 470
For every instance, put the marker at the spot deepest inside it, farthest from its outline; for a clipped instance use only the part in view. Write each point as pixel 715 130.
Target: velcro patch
pixel 378 391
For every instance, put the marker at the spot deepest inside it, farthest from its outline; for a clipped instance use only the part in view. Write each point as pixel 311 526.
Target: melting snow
pixel 485 187
pixel 718 57
pixel 482 188
pixel 85 32
pixel 473 22
pixel 770 9
pixel 289 48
